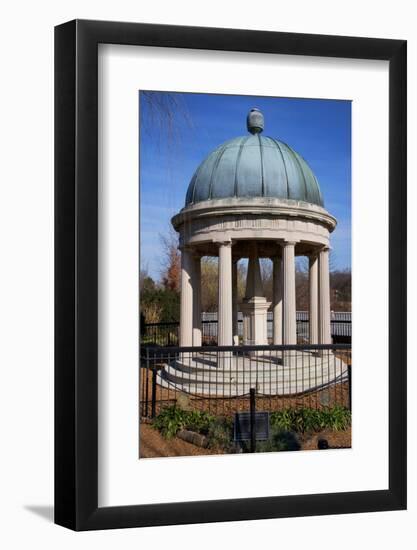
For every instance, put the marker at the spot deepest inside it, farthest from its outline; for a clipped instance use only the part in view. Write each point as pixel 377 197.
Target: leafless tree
pixel 167 116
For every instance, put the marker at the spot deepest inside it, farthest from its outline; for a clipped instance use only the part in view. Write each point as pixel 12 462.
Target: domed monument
pixel 253 197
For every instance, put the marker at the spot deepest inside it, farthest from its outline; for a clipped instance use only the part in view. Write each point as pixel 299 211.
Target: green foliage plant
pixel 172 419
pixel 306 419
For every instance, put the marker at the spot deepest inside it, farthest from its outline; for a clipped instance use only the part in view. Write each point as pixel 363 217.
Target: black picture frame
pixel 76 271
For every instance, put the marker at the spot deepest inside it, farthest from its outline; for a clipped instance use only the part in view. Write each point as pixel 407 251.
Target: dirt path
pixel 152 444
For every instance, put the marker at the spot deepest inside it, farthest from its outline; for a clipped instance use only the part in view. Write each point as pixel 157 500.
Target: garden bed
pixel 154 445
pixel 290 430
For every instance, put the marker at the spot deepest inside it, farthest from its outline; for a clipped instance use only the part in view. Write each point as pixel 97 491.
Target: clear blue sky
pixel 170 152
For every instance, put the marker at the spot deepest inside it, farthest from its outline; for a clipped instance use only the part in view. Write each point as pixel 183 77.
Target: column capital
pixel 325 248
pixel 289 243
pixel 225 242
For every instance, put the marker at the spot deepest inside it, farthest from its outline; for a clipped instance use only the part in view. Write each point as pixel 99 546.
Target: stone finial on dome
pixel 255 121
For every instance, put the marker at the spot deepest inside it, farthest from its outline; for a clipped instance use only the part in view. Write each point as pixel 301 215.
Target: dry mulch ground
pixel 336 440
pixel 153 444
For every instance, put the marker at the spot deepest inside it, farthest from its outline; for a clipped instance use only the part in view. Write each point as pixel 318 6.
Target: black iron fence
pixel 167 334
pixel 219 380
pixel 160 334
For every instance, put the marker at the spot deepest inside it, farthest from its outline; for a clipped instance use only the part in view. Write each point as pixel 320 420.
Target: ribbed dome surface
pixel 254 166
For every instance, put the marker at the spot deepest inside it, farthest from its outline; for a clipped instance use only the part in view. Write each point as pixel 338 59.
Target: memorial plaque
pixel 241 429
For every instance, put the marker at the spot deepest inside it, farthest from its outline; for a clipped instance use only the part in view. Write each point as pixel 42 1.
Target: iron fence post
pixel 146 382
pixel 350 386
pixel 153 403
pixel 252 421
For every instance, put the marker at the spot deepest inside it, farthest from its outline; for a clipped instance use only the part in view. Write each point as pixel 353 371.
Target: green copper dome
pixel 254 166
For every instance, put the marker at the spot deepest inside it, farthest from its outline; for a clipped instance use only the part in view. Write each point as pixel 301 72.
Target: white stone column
pixel 314 298
pixel 225 323
pixel 196 283
pixel 277 299
pixel 324 297
pixel 186 305
pixel 235 302
pixel 290 322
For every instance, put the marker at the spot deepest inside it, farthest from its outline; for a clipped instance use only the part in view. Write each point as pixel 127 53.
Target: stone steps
pixel 236 375
pixel 277 375
pixel 234 390
pixel 206 363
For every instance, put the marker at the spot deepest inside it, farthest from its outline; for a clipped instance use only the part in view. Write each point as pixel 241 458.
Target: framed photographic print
pixel 230 275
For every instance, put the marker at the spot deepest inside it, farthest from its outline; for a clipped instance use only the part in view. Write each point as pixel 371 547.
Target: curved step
pixel 231 390
pixel 244 376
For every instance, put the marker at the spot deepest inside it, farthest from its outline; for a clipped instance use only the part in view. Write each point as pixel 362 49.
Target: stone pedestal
pixel 254 306
pixel 255 321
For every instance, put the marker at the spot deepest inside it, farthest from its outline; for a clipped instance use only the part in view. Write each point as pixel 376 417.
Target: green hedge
pixel 311 420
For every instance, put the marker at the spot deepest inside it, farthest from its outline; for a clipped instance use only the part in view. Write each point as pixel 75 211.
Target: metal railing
pixel 167 334
pixel 160 334
pixel 219 379
pixel 302 315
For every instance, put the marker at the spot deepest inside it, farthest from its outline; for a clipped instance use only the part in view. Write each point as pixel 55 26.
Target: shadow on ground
pixel 45 512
